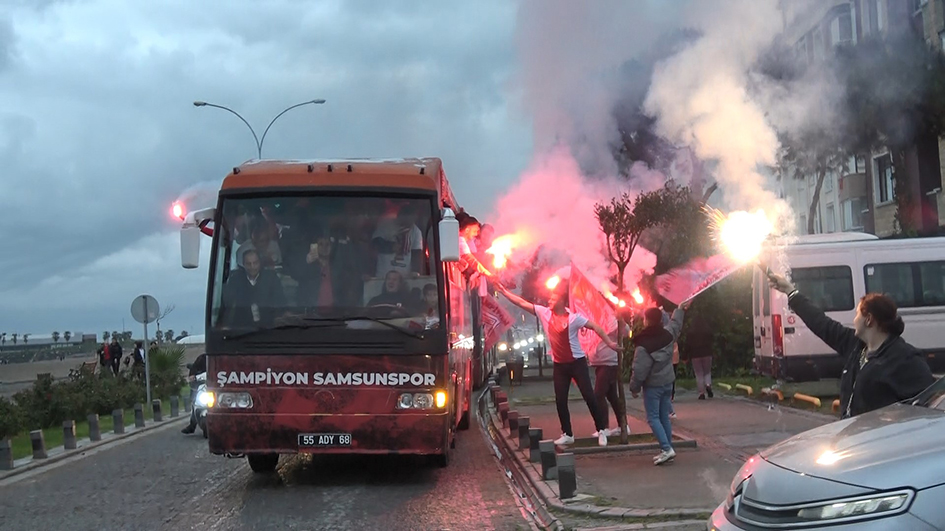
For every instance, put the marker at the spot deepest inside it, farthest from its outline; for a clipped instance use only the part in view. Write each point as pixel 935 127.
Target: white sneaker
pixel 672 415
pixel 615 432
pixel 664 457
pixel 602 438
pixel 564 440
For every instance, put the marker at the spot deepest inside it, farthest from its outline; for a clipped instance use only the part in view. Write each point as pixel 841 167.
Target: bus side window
pixel 766 300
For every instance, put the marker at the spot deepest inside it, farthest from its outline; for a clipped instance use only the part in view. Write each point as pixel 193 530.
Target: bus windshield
pixel 362 261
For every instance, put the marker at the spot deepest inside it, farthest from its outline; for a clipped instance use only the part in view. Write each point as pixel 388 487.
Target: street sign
pixel 145 309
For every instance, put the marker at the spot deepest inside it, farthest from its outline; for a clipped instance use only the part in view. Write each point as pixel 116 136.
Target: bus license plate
pixel 318 440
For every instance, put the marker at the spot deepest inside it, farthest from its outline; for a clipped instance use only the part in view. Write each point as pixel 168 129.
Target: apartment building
pixel 861 197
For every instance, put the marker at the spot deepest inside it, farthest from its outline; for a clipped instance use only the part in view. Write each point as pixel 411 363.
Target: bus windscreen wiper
pixel 411 333
pixel 290 326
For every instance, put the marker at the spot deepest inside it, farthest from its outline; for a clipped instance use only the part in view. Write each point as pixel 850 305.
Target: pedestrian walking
pixel 114 353
pixel 562 329
pixel 653 373
pixel 880 367
pixel 698 350
pixel 672 395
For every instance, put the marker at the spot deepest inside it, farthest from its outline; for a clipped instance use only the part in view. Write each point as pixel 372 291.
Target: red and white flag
pixel 685 282
pixel 495 322
pixel 588 300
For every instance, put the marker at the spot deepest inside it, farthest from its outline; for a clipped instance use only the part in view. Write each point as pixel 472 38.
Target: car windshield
pixel 358 262
pixel 933 397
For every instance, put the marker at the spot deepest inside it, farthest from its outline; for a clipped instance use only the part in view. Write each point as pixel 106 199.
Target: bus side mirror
pixel 190 247
pixel 190 237
pixel 449 237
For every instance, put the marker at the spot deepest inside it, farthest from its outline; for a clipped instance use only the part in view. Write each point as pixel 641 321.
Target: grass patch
pixel 23 447
pixel 560 514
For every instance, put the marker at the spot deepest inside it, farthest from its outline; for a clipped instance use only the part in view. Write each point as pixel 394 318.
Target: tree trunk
pixel 709 191
pixel 904 208
pixel 621 394
pixel 821 174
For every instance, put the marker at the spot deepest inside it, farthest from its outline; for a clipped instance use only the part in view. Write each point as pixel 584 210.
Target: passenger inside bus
pixel 395 293
pixel 252 296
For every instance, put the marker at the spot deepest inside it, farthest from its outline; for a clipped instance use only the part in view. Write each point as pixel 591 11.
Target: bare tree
pixel 167 311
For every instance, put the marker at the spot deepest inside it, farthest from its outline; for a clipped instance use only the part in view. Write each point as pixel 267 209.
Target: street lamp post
pixel 259 141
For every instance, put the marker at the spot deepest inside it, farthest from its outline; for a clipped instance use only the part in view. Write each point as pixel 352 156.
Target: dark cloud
pixel 98 134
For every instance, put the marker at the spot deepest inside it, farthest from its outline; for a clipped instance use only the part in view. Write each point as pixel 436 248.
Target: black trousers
pixel 564 373
pixel 605 390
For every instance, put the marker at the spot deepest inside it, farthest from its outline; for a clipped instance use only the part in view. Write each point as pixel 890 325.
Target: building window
pixel 841 27
pixel 830 288
pixel 831 218
pixel 875 15
pixel 911 285
pixel 852 212
pixel 885 186
pixel 828 182
pixel 861 163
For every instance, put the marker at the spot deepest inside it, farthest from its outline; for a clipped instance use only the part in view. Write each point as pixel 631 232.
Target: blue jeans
pixel 657 405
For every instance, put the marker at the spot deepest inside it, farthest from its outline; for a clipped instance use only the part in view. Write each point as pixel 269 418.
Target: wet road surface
pixel 168 480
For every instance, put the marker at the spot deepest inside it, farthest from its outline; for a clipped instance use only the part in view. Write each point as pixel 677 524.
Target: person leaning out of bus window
pixel 880 368
pixel 252 296
pixel 563 328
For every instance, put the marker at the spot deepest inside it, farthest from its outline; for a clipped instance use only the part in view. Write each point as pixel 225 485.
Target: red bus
pixel 338 319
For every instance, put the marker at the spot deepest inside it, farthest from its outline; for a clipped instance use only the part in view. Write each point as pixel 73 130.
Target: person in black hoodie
pixel 880 368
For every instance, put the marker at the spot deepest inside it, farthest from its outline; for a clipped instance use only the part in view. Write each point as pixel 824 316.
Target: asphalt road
pixel 168 480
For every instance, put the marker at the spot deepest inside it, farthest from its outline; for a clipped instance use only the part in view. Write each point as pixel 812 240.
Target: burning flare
pixel 637 296
pixel 178 210
pixel 553 282
pixel 742 233
pixel 501 249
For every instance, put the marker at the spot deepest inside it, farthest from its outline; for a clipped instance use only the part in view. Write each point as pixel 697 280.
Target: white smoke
pixel 701 99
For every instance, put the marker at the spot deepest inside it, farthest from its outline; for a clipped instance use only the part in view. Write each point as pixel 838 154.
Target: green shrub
pixel 11 421
pixel 166 370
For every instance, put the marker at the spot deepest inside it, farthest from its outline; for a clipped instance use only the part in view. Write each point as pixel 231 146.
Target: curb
pixel 59 453
pixel 546 492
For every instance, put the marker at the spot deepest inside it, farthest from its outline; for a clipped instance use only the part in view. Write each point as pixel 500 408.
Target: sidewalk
pixel 726 430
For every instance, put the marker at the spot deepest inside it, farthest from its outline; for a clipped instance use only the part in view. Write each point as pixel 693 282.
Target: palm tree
pixel 14 337
pixel 3 338
pixel 67 335
pixel 55 337
pixel 169 336
pixel 105 336
pixel 26 338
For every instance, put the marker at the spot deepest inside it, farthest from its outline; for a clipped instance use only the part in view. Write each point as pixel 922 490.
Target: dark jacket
pixel 199 365
pixel 699 335
pixel 653 356
pixel 897 371
pixel 239 296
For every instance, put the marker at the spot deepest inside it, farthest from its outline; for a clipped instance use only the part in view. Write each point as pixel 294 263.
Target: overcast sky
pixel 98 134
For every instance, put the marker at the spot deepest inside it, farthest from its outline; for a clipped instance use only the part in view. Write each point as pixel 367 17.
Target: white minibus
pixel 835 271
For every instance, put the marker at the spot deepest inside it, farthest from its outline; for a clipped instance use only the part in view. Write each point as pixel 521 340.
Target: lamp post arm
pixel 274 121
pixel 251 130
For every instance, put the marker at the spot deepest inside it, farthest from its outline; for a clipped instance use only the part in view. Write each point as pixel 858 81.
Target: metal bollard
pixel 175 406
pixel 549 459
pixel 156 410
pixel 501 397
pixel 567 479
pixel 68 435
pixel 494 393
pixel 187 405
pixel 95 430
pixel 523 442
pixel 534 447
pixel 139 415
pixel 39 444
pixel 513 423
pixel 504 413
pixel 6 454
pixel 118 421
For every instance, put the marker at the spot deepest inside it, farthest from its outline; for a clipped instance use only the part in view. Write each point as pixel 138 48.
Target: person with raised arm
pixel 562 328
pixel 880 368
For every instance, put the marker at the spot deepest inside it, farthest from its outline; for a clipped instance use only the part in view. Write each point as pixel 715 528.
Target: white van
pixel 835 271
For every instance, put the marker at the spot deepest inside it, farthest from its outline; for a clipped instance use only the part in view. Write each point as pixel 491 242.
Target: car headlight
pixel 884 504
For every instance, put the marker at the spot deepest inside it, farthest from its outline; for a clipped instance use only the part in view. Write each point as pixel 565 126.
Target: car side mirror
pixel 449 237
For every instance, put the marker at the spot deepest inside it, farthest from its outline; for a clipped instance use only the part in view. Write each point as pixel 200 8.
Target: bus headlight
pixel 422 400
pixel 235 400
pixel 205 399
